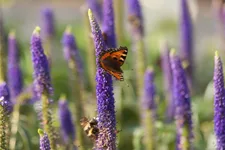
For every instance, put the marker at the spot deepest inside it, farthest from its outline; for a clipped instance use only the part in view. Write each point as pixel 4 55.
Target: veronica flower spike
pixel 183 113
pixel 108 27
pixel 149 108
pixel 66 122
pixel 95 6
pixel 42 82
pixel 186 38
pixel 104 92
pixel 44 141
pixel 219 107
pixel 6 108
pixel 15 80
pixel 135 17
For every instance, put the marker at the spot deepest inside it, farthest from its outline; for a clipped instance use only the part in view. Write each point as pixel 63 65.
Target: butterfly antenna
pixel 127 84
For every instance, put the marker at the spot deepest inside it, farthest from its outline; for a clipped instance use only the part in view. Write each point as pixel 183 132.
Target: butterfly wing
pixel 119 55
pixel 112 60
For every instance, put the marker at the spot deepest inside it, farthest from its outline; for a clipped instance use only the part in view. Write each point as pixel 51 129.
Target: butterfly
pixel 112 59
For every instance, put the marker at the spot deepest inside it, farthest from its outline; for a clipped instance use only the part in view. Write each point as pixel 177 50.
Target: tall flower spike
pixel 168 80
pixel 219 107
pixel 42 83
pixel 15 80
pixel 149 90
pixel 65 117
pixel 186 38
pixel 71 51
pixel 135 17
pixel 149 108
pixel 42 80
pixel 6 108
pixel 183 113
pixel 44 141
pixel 104 92
pixel 108 28
pixel 96 7
pixel 76 80
pixel 48 22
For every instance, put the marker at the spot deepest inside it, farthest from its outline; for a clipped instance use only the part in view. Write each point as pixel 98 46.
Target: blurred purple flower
pixel 71 51
pixel 183 113
pixel 219 105
pixel 65 117
pixel 104 92
pixel 5 98
pixel 15 80
pixel 168 80
pixel 135 17
pixel 149 90
pixel 48 22
pixel 96 7
pixel 186 37
pixel 44 141
pixel 108 27
pixel 41 75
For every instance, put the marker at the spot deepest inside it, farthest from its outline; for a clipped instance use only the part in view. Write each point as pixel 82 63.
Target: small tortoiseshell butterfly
pixel 112 60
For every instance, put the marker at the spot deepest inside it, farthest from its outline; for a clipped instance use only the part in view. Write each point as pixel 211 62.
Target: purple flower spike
pixel 41 75
pixel 15 80
pixel 48 22
pixel 168 79
pixel 44 141
pixel 104 92
pixel 186 37
pixel 219 103
pixel 183 111
pixel 135 17
pixel 108 24
pixel 71 51
pixel 149 90
pixel 96 7
pixel 5 98
pixel 66 121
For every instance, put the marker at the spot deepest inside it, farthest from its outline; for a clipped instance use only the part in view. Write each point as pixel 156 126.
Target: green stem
pixel 77 95
pixel 47 120
pixel 2 48
pixel 16 117
pixel 120 104
pixel 4 119
pixel 140 65
pixel 137 139
pixel 149 130
pixel 119 18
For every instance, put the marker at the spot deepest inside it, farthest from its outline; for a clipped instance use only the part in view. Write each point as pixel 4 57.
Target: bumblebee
pixel 90 127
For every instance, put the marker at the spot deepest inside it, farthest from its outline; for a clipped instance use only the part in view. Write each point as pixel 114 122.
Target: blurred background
pixel 161 22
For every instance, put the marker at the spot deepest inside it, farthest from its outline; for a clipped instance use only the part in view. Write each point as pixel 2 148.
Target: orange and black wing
pixel 112 60
pixel 119 55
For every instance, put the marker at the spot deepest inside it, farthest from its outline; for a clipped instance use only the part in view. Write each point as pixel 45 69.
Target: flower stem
pixel 16 117
pixel 77 94
pixel 3 129
pixel 140 65
pixel 47 120
pixel 119 17
pixel 149 130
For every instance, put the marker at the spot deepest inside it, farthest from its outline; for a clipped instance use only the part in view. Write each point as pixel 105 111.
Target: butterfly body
pixel 112 60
